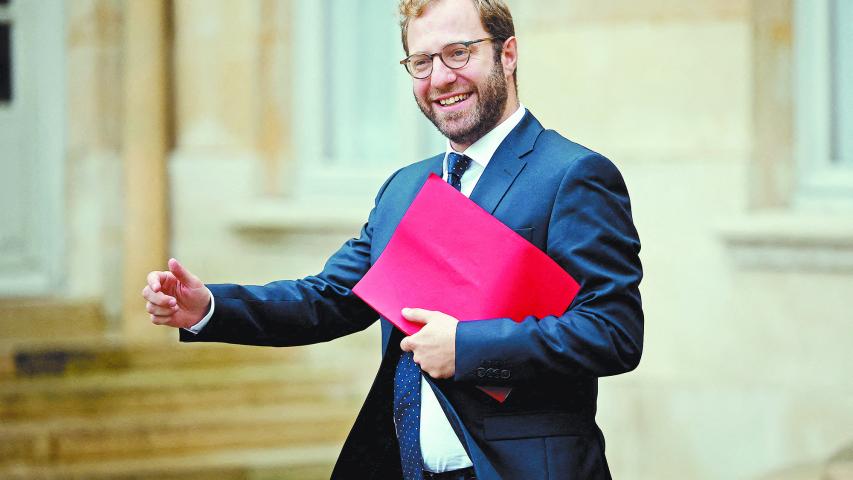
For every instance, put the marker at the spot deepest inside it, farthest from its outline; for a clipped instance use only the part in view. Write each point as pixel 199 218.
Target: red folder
pixel 450 255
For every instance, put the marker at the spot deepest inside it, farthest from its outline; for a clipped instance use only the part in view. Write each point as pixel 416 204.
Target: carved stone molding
pixel 795 242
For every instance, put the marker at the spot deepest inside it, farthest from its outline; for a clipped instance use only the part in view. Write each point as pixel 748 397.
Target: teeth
pixel 452 100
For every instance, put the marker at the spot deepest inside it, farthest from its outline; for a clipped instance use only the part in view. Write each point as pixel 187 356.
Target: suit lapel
pixel 506 164
pixel 437 166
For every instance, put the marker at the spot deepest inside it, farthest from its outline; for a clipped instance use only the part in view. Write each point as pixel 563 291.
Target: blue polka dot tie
pixel 407 415
pixel 407 377
pixel 456 166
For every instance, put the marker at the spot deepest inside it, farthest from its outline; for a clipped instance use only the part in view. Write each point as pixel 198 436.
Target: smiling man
pixel 424 417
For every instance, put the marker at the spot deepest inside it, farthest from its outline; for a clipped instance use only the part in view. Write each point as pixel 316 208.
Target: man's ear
pixel 509 56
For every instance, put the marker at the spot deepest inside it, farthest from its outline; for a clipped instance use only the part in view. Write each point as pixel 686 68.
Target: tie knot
pixel 457 164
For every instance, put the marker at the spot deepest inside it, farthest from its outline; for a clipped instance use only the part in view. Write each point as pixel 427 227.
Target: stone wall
pixel 746 319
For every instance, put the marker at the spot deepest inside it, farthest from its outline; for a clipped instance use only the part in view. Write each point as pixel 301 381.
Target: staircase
pixel 95 410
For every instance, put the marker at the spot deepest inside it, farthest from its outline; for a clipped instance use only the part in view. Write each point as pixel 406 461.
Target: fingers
pixel 161 307
pixel 418 315
pixel 183 275
pixel 158 298
pixel 156 280
pixel 160 311
pixel 407 345
pixel 162 319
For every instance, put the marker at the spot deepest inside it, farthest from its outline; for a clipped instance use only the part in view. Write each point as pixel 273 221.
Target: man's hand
pixel 176 297
pixel 434 346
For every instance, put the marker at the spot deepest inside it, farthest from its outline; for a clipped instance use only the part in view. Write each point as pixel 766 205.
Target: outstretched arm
pixel 294 312
pixel 288 312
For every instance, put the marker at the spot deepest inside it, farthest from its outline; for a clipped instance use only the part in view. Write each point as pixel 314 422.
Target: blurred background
pixel 229 133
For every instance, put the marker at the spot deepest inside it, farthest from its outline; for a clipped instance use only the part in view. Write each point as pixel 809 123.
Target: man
pixel 565 199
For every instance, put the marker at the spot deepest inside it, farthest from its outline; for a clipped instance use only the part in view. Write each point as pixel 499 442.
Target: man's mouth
pixel 446 102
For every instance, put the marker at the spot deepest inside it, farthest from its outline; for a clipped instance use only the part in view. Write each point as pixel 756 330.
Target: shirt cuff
pixel 200 325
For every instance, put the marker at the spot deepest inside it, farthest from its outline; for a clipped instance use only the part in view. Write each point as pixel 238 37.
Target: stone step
pixel 28 320
pixel 92 357
pixel 159 434
pixel 309 462
pixel 177 391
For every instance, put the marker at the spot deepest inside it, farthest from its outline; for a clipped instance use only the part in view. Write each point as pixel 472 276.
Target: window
pixel 32 117
pixel 824 103
pixel 355 118
pixel 814 232
pixel 841 15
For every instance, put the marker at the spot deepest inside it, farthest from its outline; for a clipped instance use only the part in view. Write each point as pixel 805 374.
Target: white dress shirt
pixel 441 448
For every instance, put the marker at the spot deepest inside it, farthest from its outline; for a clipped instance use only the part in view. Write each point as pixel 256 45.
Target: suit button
pixel 481 372
pixel 505 374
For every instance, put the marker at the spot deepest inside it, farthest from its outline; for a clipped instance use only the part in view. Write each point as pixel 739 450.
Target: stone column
pixel 231 118
pixel 772 168
pixel 146 143
pixel 275 84
pixel 216 81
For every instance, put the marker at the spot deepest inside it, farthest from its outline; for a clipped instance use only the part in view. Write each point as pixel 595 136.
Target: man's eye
pixel 419 62
pixel 458 52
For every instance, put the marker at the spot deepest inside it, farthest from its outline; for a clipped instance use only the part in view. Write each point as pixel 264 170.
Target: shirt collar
pixel 483 149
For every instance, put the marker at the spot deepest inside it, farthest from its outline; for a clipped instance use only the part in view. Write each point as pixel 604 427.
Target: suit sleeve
pixel 591 235
pixel 313 309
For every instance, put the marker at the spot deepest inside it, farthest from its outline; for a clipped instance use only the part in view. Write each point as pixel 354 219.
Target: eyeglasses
pixel 454 55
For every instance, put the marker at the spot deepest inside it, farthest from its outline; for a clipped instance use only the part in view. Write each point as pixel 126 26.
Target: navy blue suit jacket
pixel 565 199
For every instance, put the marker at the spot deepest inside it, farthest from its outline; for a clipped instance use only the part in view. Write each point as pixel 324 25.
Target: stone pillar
pixel 146 143
pixel 95 122
pixel 772 168
pixel 216 79
pixel 275 84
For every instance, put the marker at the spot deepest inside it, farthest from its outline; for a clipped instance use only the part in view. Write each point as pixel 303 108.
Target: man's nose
pixel 441 74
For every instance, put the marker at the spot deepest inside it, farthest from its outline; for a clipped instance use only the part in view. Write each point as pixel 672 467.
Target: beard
pixel 466 128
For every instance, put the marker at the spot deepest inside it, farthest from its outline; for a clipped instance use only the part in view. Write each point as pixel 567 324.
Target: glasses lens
pixel 419 66
pixel 455 55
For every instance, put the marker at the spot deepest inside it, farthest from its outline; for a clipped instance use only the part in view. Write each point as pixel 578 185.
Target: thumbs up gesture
pixel 176 297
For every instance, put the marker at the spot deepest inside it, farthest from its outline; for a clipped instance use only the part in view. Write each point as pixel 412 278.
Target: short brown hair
pixel 494 14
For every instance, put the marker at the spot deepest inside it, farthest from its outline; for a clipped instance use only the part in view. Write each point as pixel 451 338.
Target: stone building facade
pixel 230 133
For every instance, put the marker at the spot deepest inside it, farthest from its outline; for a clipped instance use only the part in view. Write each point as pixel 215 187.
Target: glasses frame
pixel 405 62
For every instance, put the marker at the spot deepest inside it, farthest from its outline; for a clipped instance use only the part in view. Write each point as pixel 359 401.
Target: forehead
pixel 442 22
